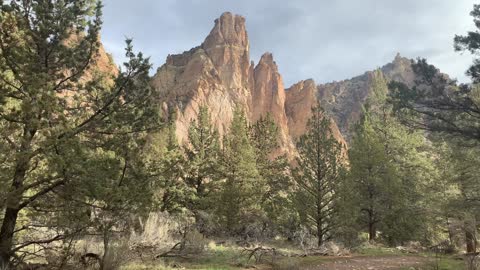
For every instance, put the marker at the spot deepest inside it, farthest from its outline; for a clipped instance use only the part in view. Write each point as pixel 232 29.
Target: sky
pixel 327 40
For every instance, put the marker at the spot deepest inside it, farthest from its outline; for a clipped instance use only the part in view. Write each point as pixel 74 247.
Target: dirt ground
pixel 372 263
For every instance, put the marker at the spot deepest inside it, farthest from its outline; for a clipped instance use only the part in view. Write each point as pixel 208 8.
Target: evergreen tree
pixel 392 175
pixel 370 175
pixel 436 103
pixel 450 112
pixel 317 175
pixel 167 161
pixel 274 171
pixel 471 43
pixel 113 196
pixel 242 186
pixel 202 160
pixel 463 172
pixel 58 113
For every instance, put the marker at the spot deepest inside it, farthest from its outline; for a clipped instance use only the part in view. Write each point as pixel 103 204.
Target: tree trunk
pixel 7 230
pixel 470 236
pixel 372 232
pixel 106 250
pixel 319 232
pixel 6 235
pixel 11 213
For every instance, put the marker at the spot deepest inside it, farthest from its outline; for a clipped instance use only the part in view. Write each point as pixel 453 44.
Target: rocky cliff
pixel 220 75
pixel 217 74
pixel 344 100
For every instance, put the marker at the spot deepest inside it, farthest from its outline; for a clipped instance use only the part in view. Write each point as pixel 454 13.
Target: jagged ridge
pixel 220 75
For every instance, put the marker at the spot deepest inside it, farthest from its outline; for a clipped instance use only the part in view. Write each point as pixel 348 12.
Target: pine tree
pixel 464 200
pixel 167 162
pixel 242 188
pixel 202 159
pixel 58 113
pixel 317 175
pixel 371 176
pixel 392 177
pixel 274 171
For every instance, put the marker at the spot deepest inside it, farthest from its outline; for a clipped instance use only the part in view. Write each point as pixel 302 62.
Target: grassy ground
pixel 215 257
pixel 232 258
pixel 442 262
pixel 445 263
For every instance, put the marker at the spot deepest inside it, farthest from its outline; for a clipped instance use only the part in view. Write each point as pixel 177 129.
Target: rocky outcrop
pixel 227 46
pixel 300 99
pixel 216 74
pixel 219 75
pixel 268 97
pixel 400 70
pixel 344 100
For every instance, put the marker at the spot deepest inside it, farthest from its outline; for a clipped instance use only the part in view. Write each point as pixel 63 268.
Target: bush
pixel 116 256
pixel 287 264
pixel 194 242
pixel 305 239
pixel 160 229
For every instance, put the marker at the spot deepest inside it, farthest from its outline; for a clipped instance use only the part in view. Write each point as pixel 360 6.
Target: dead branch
pixel 173 252
pixel 259 252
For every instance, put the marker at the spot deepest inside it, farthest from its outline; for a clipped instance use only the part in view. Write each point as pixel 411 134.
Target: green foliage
pixel 71 134
pixel 274 172
pixel 317 176
pixel 390 170
pixel 202 161
pixel 437 104
pixel 450 112
pixel 174 194
pixel 243 184
pixel 471 43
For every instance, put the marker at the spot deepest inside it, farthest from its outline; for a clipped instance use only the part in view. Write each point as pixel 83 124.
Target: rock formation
pixel 268 97
pixel 301 97
pixel 219 74
pixel 344 100
pixel 216 74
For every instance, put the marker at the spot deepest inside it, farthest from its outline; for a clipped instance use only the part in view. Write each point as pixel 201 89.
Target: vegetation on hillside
pixel 92 174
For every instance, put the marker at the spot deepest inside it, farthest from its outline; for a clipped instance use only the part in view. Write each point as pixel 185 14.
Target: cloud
pixel 323 40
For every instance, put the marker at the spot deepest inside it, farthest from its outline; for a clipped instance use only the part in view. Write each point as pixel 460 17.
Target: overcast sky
pixel 321 39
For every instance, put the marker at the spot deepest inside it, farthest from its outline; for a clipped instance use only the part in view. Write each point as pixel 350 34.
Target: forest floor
pixel 371 263
pixel 370 259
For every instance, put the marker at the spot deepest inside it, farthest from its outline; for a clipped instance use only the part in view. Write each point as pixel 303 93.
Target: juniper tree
pixel 168 162
pixel 274 170
pixel 389 170
pixel 59 114
pixel 371 177
pixel 461 192
pixel 242 186
pixel 202 160
pixel 317 175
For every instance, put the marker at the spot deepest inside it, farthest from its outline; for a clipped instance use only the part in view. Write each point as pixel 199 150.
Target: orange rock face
pixel 301 97
pixel 268 97
pixel 216 74
pixel 219 75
